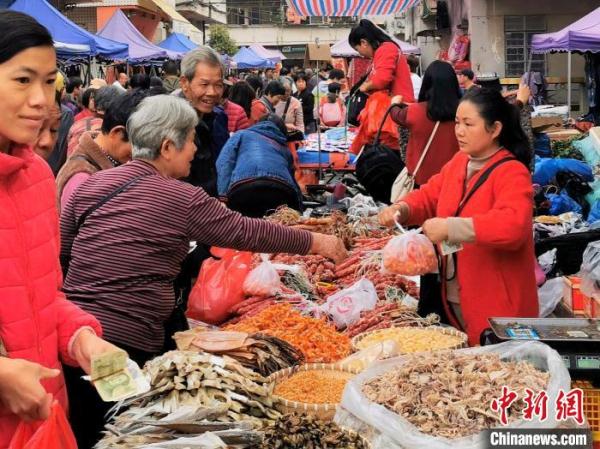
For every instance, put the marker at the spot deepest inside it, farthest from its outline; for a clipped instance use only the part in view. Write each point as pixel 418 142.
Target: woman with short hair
pixel 267 102
pixel 290 108
pixel 124 254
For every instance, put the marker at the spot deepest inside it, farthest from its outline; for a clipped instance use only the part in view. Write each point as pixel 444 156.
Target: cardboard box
pixel 540 123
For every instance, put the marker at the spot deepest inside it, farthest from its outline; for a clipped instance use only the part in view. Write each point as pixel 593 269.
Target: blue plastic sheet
pixel 562 203
pixel 594 214
pixel 546 170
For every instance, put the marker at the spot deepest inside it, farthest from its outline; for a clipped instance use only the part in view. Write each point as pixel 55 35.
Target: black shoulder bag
pixel 378 166
pixel 430 298
pixel 356 102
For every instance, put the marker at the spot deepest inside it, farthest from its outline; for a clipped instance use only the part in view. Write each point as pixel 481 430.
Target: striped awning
pixel 357 8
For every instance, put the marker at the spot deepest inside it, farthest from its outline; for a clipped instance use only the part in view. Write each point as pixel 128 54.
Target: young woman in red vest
pixel 493 275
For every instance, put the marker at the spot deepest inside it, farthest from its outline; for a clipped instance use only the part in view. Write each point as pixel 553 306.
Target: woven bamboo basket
pixel 356 341
pixel 326 412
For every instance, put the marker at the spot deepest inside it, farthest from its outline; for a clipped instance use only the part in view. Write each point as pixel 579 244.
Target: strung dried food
pixel 449 394
pixel 390 315
pixel 307 432
pixel 314 386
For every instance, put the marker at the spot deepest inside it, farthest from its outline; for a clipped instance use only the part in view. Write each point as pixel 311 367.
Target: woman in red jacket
pixel 39 328
pixel 493 275
pixel 389 71
pixel 438 100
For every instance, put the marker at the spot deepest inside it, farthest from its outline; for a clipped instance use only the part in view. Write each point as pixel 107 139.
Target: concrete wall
pixel 270 35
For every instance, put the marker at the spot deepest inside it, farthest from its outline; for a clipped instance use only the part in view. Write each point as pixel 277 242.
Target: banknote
pixel 108 363
pixel 123 384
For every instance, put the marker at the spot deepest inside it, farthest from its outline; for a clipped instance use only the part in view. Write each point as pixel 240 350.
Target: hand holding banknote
pixel 88 345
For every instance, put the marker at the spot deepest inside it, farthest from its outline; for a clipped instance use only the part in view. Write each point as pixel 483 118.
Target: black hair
pixel 274 88
pixel 157 90
pixel 155 81
pixel 413 63
pixel 105 96
pixel 334 88
pixel 441 91
pixel 242 94
pixel 368 31
pixel 19 33
pixel 468 73
pixel 301 76
pixel 278 121
pixel 87 96
pixel 255 83
pixel 493 108
pixel 140 81
pixel 73 82
pixel 284 71
pixel 337 74
pixel 170 68
pixel 120 109
pixel 58 99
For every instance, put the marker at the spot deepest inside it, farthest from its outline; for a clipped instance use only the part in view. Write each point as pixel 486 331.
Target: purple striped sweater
pixel 128 252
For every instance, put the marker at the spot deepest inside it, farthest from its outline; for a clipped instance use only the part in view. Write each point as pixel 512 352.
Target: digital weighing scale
pixel 577 340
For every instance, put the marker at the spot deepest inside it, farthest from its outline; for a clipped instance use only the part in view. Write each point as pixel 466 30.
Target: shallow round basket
pixel 443 330
pixel 326 412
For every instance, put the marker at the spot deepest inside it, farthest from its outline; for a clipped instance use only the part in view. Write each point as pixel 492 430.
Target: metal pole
pixel 318 121
pixel 569 85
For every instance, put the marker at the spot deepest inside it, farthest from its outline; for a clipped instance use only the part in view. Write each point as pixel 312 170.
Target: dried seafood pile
pixel 185 378
pixel 189 426
pixel 307 432
pixel 334 224
pixel 412 339
pixel 316 268
pixel 448 394
pixel 390 315
pixel 318 340
pixel 314 386
pixel 253 305
pixel 262 353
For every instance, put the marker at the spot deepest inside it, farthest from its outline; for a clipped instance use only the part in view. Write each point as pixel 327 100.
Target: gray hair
pixel 158 118
pixel 202 54
pixel 287 82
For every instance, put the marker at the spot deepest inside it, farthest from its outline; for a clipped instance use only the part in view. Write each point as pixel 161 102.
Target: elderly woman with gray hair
pixel 126 231
pixel 290 108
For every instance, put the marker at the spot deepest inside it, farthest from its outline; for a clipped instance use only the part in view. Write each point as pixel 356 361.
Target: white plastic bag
pixel 549 295
pixel 590 270
pixel 547 261
pixel 362 360
pixel 406 435
pixel 345 306
pixel 264 280
pixel 410 254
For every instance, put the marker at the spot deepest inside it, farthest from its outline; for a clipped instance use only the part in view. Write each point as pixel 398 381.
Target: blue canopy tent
pixel 140 49
pixel 178 42
pixel 69 33
pixel 247 59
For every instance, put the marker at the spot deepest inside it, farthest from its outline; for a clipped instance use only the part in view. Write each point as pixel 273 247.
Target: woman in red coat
pixel 389 70
pixel 39 328
pixel 493 275
pixel 438 100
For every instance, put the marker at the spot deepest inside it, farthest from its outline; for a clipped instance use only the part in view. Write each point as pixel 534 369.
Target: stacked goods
pixel 197 427
pixel 181 379
pixel 262 353
pixel 412 339
pixel 390 315
pixel 317 268
pixel 318 340
pixel 314 386
pixel 303 432
pixel 448 395
pixel 253 305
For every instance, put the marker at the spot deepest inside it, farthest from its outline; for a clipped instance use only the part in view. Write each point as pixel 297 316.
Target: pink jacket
pixel 37 323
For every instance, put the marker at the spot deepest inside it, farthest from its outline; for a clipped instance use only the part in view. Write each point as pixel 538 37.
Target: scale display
pixel 588 362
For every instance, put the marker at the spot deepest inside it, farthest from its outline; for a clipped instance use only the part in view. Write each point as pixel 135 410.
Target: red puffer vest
pixel 36 321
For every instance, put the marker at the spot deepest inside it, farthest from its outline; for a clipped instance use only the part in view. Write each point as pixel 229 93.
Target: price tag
pixel 451 248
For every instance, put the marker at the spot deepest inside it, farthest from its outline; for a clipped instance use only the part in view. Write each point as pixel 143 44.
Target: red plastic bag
pixel 370 121
pixel 54 433
pixel 219 285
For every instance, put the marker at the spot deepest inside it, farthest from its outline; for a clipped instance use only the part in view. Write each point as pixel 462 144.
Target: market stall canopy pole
pixel 359 8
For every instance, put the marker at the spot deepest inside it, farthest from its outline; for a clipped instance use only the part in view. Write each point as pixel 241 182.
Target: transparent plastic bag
pixel 549 295
pixel 345 306
pixel 402 432
pixel 363 359
pixel 54 433
pixel 264 280
pixel 410 254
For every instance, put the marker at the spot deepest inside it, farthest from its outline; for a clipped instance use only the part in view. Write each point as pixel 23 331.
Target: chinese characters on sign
pixel 567 405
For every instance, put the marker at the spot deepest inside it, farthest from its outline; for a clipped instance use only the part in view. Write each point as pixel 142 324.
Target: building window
pixel 518 32
pixel 236 16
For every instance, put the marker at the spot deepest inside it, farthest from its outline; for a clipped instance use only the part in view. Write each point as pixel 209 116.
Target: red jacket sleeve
pixel 508 224
pixel 422 203
pixel 385 61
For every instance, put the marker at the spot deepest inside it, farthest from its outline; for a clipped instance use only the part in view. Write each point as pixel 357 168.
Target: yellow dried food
pixel 411 339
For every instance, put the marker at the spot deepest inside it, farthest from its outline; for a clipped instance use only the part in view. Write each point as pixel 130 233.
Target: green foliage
pixel 221 41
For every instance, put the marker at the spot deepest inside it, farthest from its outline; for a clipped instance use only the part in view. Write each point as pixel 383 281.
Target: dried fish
pixel 303 432
pixel 445 394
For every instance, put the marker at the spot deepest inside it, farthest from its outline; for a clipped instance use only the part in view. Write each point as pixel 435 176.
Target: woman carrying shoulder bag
pixel 432 141
pixel 481 202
